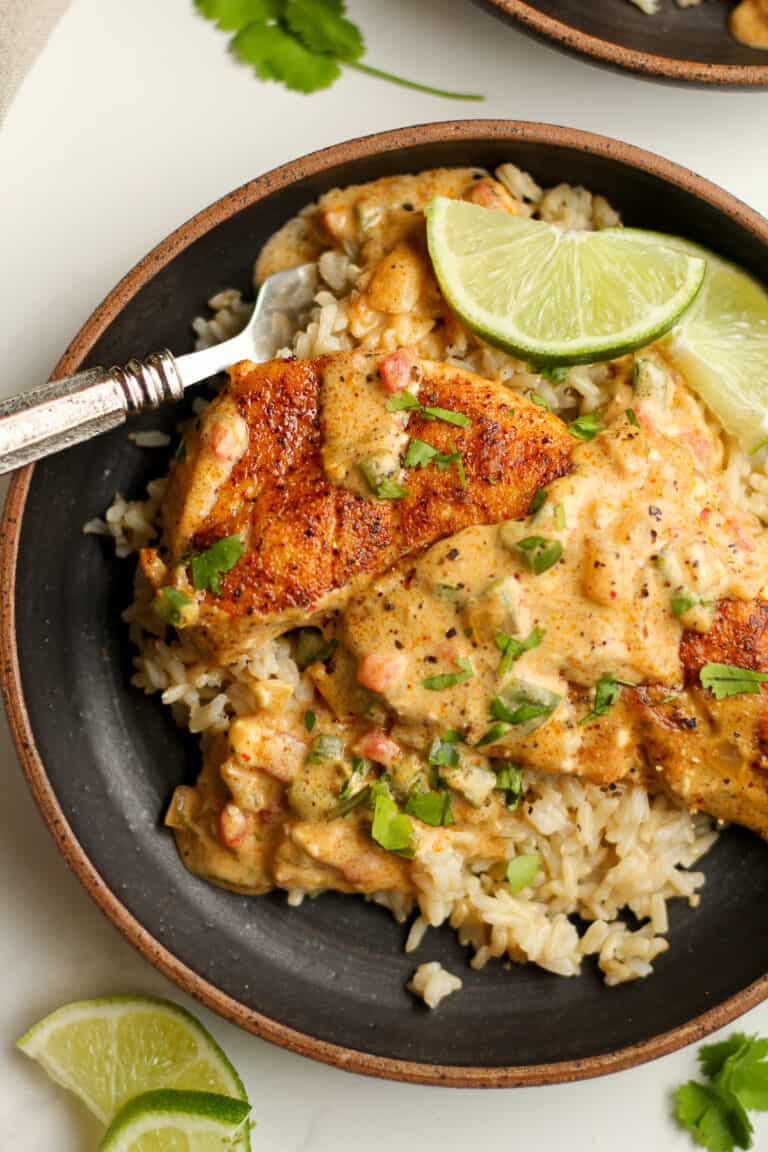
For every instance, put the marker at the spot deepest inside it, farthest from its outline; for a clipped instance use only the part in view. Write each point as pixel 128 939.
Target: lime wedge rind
pixel 203 1119
pixel 55 1044
pixel 720 345
pixel 554 297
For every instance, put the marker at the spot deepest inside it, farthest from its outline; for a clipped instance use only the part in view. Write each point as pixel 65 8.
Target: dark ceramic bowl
pixel 327 979
pixel 687 46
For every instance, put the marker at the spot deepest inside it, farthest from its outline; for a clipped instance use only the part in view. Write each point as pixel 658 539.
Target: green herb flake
pixel 558 513
pixel 539 554
pixel 522 871
pixel 632 417
pixel 389 490
pixel 512 649
pixel 433 808
pixel 509 780
pixel 312 647
pixel 391 829
pixel 521 703
pixel 309 720
pixel 326 747
pixel 494 734
pixel 538 499
pixel 419 454
pixel 724 680
pixel 208 567
pixel 348 803
pixel 537 399
pixel 170 604
pixel 450 679
pixel 447 416
pixel 586 427
pixel 402 402
pixel 607 692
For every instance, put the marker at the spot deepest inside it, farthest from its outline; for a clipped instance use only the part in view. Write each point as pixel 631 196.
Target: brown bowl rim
pixel 631 59
pixel 10 679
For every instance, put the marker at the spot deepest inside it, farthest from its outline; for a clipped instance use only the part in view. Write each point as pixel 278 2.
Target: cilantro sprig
pixel 208 567
pixel 724 680
pixel 715 1113
pixel 302 44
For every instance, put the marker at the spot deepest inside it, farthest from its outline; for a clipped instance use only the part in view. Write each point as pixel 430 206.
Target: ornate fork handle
pixel 67 411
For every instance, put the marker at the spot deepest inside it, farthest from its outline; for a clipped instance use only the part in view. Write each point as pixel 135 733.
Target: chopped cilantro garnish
pixel 509 780
pixel 537 399
pixel 170 605
pixel 607 691
pixel 538 499
pixel 631 416
pixel 539 553
pixel 495 733
pixel 522 871
pixel 406 401
pixel 432 808
pixel 446 415
pixel 724 680
pixel 208 566
pixel 309 720
pixel 391 828
pixel 384 487
pixel 522 703
pixel 419 454
pixel 450 679
pixel 586 427
pixel 402 402
pixel 512 649
pixel 348 803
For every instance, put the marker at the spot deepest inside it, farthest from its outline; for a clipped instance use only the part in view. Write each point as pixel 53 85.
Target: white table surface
pixel 132 119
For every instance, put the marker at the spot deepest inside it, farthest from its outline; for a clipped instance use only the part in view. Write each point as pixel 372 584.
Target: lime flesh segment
pixel 555 297
pixel 178 1122
pixel 108 1051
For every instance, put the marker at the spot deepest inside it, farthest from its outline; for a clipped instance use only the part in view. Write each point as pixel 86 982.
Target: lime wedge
pixel 108 1051
pixel 177 1122
pixel 721 349
pixel 556 297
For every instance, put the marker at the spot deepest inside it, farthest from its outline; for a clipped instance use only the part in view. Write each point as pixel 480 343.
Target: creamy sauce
pixel 639 527
pixel 357 428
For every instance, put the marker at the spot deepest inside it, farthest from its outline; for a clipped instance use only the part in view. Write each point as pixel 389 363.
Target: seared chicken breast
pixel 303 462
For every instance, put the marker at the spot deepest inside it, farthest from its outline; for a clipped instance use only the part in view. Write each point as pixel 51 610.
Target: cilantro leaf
pixel 725 680
pixel 586 427
pixel 495 733
pixel 207 567
pixel 715 1123
pixel 450 679
pixel 538 499
pixel 419 454
pixel 607 692
pixel 555 374
pixel 274 54
pixel 521 703
pixel 350 802
pixel 433 808
pixel 322 27
pixel 744 1072
pixel 631 416
pixel 447 415
pixel 309 720
pixel 539 553
pixel 402 402
pixel 391 828
pixel 231 15
pixel 512 649
pixel 509 780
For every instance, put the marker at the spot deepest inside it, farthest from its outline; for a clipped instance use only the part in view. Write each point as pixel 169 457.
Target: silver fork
pixel 66 412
